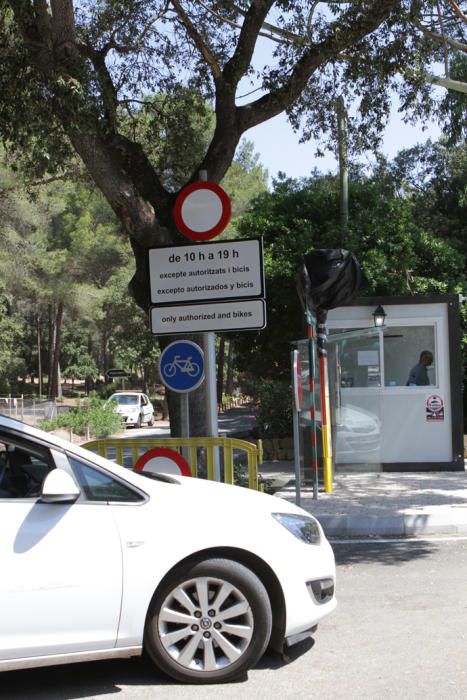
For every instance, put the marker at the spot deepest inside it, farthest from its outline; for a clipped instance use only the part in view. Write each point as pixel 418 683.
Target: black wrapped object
pixel 334 278
pixel 328 278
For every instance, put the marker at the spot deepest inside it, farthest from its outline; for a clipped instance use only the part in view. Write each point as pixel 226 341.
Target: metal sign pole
pixel 184 415
pixel 297 407
pixel 325 405
pixel 185 423
pixel 311 364
pixel 209 347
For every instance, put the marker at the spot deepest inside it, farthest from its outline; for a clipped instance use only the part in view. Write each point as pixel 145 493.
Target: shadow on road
pixel 84 680
pixel 381 552
pixel 81 680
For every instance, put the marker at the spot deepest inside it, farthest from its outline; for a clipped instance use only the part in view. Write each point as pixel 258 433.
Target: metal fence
pixel 200 454
pixel 29 410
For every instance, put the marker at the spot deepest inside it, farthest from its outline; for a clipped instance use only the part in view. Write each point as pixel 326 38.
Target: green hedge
pixel 90 414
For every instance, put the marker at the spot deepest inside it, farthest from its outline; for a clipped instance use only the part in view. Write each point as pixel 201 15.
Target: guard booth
pixel 381 421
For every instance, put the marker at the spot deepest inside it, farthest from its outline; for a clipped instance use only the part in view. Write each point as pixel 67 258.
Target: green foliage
pixel 245 180
pixel 11 335
pixel 92 414
pixel 398 254
pixel 453 107
pixel 79 363
pixel 273 409
pixel 174 130
pixel 94 79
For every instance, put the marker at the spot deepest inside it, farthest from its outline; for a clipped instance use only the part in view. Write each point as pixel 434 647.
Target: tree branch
pixel 448 83
pixel 132 197
pixel 271 29
pixel 63 19
pixel 44 23
pixel 112 44
pixel 108 90
pixel 237 66
pixel 445 44
pixel 199 42
pixel 437 37
pixel 458 10
pixel 343 34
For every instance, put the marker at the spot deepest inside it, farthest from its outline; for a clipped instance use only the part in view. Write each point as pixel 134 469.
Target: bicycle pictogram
pixel 181 366
pixel 184 365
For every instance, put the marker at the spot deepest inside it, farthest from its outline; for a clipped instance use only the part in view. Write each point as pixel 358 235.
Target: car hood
pixel 195 493
pixel 221 496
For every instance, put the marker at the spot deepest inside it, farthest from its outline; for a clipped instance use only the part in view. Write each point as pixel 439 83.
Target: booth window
pixel 403 346
pixel 359 362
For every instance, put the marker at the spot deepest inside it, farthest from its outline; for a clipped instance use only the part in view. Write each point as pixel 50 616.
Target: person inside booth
pixel 418 375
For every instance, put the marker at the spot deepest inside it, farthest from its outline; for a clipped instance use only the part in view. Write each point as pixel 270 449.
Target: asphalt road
pixel 400 632
pixel 236 422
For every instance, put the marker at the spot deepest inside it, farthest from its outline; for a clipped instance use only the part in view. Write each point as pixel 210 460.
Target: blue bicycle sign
pixel 181 366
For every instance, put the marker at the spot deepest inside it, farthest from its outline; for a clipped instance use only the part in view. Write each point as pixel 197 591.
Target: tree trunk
pixel 50 352
pixel 39 356
pixel 229 384
pixel 165 407
pixel 343 169
pixel 55 335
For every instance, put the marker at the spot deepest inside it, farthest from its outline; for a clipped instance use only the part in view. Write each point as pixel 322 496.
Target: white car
pixel 100 562
pixel 134 406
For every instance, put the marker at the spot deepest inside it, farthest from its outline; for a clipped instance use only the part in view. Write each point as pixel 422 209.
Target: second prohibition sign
pixel 202 210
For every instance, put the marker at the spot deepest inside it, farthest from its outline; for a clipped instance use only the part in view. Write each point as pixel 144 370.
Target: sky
pixel 279 148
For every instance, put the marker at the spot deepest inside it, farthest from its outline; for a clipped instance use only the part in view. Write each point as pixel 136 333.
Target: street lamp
pixel 379 316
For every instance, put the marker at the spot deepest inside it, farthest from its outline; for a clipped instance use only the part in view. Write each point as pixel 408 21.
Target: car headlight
pixel 304 528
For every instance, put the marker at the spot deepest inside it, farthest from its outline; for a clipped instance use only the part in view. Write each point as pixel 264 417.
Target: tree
pixel 11 334
pixel 397 254
pixel 78 69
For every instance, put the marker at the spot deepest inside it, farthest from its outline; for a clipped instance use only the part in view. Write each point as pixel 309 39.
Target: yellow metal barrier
pixel 127 451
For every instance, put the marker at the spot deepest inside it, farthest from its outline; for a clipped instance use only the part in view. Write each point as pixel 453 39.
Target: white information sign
pixel 246 314
pixel 206 272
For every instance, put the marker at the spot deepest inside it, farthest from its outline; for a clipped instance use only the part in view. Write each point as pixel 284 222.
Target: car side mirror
pixel 59 487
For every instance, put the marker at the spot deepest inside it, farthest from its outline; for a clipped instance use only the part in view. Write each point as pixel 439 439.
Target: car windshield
pixel 125 399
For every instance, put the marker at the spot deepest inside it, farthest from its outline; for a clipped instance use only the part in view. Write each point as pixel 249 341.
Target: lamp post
pixel 379 316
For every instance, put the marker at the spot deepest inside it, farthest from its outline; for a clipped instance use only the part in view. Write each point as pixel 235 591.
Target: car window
pixel 23 468
pixel 125 399
pixel 98 485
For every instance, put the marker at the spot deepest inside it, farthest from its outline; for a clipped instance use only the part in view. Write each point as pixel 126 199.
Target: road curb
pixel 405 525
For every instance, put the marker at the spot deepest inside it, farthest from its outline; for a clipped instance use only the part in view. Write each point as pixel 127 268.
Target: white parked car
pixel 134 406
pixel 100 562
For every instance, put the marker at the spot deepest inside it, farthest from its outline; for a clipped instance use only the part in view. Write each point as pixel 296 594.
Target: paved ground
pixel 366 504
pixel 382 504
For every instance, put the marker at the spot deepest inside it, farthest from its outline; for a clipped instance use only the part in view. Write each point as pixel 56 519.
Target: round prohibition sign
pixel 434 403
pixel 202 210
pixel 163 460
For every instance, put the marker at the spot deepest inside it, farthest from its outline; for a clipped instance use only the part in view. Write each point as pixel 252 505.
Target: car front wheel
pixel 209 623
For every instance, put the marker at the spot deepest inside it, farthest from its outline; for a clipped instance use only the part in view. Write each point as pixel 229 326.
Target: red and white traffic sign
pixel 202 210
pixel 163 460
pixel 434 403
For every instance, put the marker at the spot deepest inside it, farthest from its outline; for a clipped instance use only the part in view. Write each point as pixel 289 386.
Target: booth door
pixel 355 380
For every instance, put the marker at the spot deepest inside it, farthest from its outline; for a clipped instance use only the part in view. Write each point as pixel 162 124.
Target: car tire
pixel 215 639
pixel 138 422
pixel 151 420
